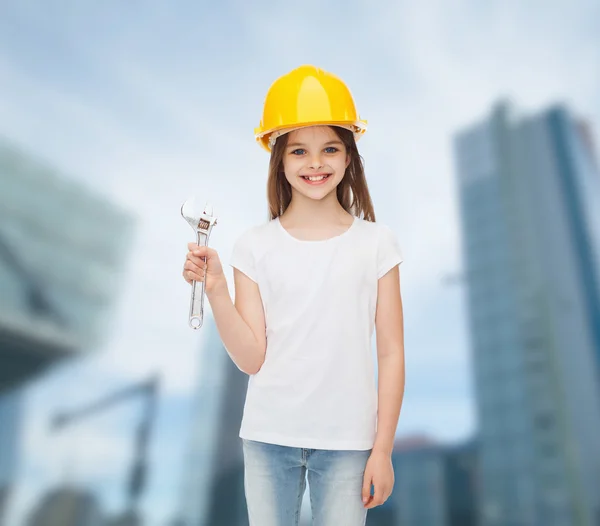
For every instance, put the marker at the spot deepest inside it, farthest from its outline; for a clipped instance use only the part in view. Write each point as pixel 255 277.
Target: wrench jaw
pixel 202 221
pixel 205 223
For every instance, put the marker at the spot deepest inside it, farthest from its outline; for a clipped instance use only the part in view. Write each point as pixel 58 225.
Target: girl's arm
pixel 389 325
pixel 241 326
pixel 379 471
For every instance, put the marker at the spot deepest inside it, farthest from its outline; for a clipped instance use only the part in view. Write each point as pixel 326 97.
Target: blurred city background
pixel 482 155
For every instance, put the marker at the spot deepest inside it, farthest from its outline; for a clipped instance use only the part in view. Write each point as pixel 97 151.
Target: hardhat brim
pixel 262 136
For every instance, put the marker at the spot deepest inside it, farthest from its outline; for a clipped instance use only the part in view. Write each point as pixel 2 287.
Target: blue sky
pixel 151 102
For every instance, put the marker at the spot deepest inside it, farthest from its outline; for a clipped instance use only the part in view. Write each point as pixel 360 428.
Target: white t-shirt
pixel 316 388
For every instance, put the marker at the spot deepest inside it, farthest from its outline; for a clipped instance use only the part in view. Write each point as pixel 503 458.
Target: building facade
pixel 62 248
pixel 214 482
pixel 10 423
pixel 435 485
pixel 530 202
pixel 67 507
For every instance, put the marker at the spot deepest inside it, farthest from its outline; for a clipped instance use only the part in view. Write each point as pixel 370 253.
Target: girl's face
pixel 314 152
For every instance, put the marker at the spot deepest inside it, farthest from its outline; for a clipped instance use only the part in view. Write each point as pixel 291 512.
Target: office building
pixel 214 482
pixel 62 248
pixel 435 485
pixel 529 193
pixel 67 507
pixel 10 423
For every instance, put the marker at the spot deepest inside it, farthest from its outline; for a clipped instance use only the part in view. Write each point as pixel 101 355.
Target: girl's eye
pixel 302 151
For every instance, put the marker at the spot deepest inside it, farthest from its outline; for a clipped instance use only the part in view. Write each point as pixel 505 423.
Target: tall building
pixel 61 251
pixel 10 420
pixel 461 479
pixel 67 507
pixel 214 482
pixel 435 485
pixel 529 195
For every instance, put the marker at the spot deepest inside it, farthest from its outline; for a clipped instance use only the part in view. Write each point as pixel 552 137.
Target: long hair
pixel 352 191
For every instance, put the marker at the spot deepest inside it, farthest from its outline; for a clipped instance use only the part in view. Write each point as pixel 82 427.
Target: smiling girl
pixel 311 285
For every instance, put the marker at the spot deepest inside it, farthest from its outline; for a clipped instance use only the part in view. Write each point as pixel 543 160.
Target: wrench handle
pixel 198 292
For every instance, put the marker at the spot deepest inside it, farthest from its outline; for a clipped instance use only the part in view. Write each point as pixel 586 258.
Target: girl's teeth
pixel 316 178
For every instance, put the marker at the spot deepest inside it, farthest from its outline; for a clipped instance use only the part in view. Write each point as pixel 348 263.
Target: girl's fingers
pixel 193 272
pixel 196 266
pixel 196 260
pixel 197 249
pixel 190 276
pixel 366 488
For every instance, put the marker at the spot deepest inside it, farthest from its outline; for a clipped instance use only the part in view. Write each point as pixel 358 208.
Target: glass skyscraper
pixel 10 420
pixel 435 485
pixel 529 192
pixel 214 480
pixel 61 251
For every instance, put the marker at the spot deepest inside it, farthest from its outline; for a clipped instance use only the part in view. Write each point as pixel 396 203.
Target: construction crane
pixel 139 468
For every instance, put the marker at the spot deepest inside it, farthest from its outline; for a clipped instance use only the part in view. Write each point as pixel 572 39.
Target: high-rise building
pixel 61 251
pixel 529 195
pixel 214 482
pixel 10 420
pixel 461 478
pixel 435 485
pixel 67 506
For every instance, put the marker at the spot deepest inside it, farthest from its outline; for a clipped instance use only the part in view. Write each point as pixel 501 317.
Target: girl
pixel 310 286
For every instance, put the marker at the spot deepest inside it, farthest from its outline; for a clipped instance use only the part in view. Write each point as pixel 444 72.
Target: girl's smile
pixel 315 179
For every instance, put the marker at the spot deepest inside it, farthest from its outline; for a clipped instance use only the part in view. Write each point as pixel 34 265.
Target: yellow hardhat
pixel 307 96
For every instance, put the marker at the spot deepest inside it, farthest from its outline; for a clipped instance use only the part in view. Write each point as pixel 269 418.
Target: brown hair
pixel 352 192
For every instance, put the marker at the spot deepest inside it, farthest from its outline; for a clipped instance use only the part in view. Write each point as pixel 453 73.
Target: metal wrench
pixel 202 224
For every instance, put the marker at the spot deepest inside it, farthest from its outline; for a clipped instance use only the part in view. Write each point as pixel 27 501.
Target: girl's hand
pixel 195 269
pixel 379 472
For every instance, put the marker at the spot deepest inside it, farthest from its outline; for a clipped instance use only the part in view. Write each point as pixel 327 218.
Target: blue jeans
pixel 275 480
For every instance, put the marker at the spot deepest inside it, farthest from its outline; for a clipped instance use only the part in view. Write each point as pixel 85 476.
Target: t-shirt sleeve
pixel 389 253
pixel 242 256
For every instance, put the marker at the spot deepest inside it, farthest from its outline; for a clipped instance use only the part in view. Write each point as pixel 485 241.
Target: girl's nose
pixel 316 162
